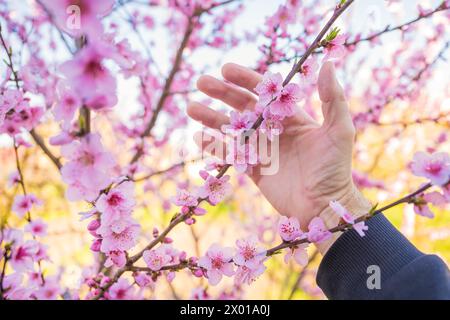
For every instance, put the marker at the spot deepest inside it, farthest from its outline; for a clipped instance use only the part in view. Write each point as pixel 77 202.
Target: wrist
pixel 354 202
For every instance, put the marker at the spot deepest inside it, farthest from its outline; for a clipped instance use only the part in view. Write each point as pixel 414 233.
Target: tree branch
pixel 37 138
pixel 168 83
pixel 178 218
pixel 388 28
pixel 192 20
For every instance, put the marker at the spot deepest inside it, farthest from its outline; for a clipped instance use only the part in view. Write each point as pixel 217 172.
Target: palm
pixel 314 160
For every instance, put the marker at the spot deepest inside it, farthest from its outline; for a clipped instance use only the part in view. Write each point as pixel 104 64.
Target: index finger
pixel 241 76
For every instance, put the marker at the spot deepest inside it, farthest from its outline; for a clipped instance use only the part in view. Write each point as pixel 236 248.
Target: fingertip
pixel 241 76
pixel 328 86
pixel 189 109
pixel 233 71
pixel 228 69
pixel 328 66
pixel 203 82
pixel 193 110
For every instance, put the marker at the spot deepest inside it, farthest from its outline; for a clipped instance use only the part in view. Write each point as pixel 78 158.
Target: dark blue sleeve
pixel 352 264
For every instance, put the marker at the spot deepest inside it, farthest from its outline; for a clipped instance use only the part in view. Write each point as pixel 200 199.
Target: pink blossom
pixel 170 251
pixel 170 276
pixel 363 181
pixel 41 252
pixel 199 294
pixel 299 253
pixel 335 49
pixel 23 256
pixel 435 167
pixel 121 290
pixel 129 61
pixel 35 278
pixel 143 280
pixel 156 258
pixel 446 192
pixel 248 275
pixel 270 87
pixel 184 198
pixel 423 210
pixel 213 164
pixel 50 290
pixel 240 156
pixel 248 253
pixel 239 122
pixel 9 99
pixel 68 104
pixel 117 258
pixel 342 212
pixel 284 16
pixel 23 204
pixel 217 262
pixel 120 235
pixel 13 179
pixel 88 75
pixel 317 231
pixel 271 126
pixel 360 227
pixel 62 138
pixel 214 189
pixel 22 142
pixel 16 113
pixel 88 169
pixel 101 101
pixel 308 71
pixel 117 203
pixel 37 228
pixel 289 228
pixel 89 12
pixel 285 104
pixel 16 291
pixel 435 198
pixel 96 245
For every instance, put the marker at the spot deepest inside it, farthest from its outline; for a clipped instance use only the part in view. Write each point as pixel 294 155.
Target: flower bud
pixel 198 273
pixel 93 225
pixel 96 244
pixel 155 232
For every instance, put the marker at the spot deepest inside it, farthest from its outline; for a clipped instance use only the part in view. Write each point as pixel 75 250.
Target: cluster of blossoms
pixel 25 253
pixel 88 168
pixel 116 231
pixel 246 262
pixel 16 114
pixel 221 261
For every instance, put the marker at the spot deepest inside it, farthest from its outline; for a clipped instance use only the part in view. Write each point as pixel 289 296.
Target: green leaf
pixel 332 34
pixel 373 209
pixel 81 121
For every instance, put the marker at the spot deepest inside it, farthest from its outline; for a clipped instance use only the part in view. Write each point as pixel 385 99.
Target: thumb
pixel 334 105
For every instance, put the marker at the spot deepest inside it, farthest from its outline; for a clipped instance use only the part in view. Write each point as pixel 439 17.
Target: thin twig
pixel 192 20
pixel 402 26
pixel 36 137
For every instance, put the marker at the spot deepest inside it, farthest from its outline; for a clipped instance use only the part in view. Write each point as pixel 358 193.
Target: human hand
pixel 314 158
